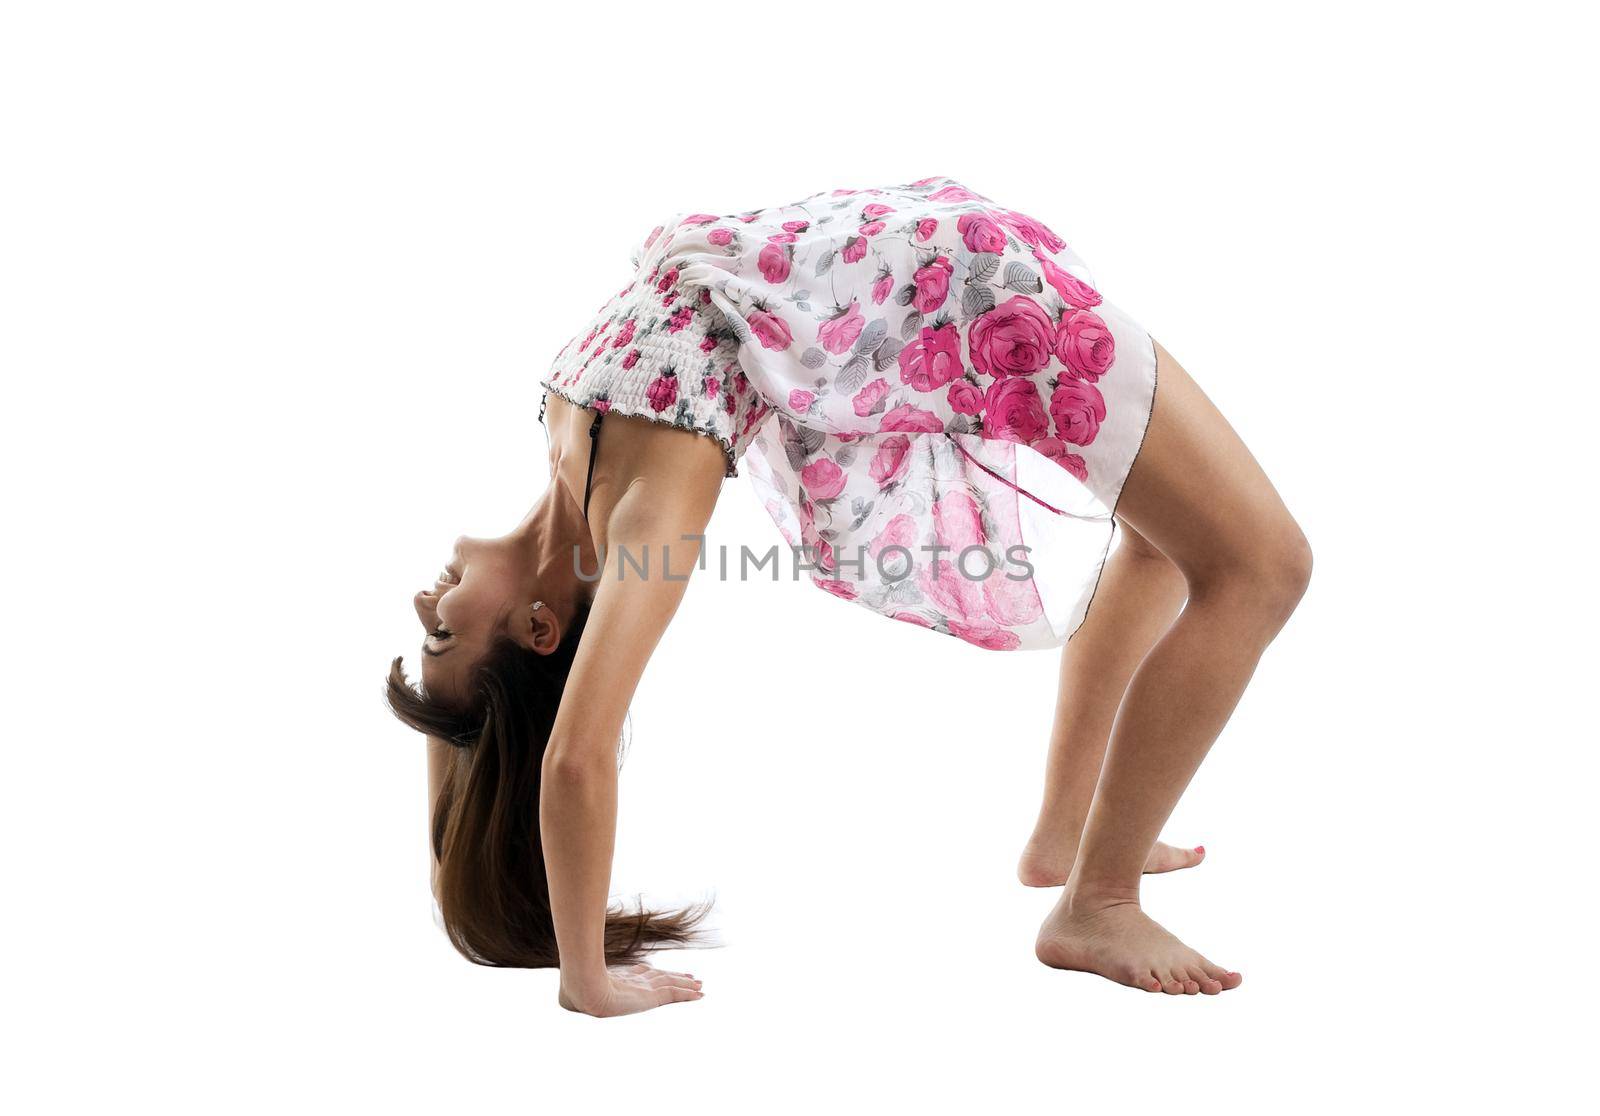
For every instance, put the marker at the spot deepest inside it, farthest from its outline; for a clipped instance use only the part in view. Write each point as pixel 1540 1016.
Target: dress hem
pixel 1155 383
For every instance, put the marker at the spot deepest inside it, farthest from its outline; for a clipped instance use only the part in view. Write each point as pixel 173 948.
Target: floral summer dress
pixel 928 393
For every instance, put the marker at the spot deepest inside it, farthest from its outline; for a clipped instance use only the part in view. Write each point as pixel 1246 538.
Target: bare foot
pixel 1044 866
pixel 1115 939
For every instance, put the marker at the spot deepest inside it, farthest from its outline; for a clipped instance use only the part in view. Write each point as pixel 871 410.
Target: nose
pixel 424 602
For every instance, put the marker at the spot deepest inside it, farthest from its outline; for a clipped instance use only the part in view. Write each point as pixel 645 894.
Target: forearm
pixel 577 825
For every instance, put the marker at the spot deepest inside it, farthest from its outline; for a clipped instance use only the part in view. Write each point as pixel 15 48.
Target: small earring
pixel 537 605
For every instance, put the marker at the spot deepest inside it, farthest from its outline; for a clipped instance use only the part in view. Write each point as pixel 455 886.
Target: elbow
pixel 576 767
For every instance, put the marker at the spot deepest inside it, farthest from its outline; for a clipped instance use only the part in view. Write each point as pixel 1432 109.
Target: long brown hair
pixel 491 886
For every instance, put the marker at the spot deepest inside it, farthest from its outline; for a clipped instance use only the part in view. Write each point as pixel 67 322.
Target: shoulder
pixel 654 480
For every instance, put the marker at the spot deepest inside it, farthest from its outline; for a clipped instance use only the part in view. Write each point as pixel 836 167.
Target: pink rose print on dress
pixel 1085 345
pixel 1073 291
pixel 1011 603
pixel 663 390
pixel 901 531
pixel 1056 450
pixel 822 479
pixel 911 419
pixel 774 263
pixel 981 233
pixel 933 359
pixel 868 386
pixel 1013 339
pixel 889 463
pixel 985 635
pixel 957 522
pixel 882 286
pixel 840 332
pixel 601 404
pixel 771 330
pixel 964 399
pixel 933 285
pixel 955 596
pixel 1032 233
pixel 870 398
pixel 953 193
pixel 841 589
pixel 1013 412
pixel 1078 409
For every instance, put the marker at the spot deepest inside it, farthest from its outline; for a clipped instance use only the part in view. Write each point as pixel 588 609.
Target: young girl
pixel 948 425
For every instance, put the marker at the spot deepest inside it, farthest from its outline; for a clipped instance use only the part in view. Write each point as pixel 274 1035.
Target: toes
pixel 1168 858
pixel 1210 987
pixel 1213 974
pixel 1170 984
pixel 1143 978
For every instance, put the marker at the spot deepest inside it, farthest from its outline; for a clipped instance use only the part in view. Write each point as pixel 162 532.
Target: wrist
pixel 584 985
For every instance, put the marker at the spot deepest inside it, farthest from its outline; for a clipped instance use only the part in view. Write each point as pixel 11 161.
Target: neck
pixel 547 535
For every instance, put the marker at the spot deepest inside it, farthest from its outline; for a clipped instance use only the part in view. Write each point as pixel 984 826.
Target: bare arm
pixel 578 799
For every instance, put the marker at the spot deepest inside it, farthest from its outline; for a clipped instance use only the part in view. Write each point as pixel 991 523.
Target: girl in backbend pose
pixel 942 414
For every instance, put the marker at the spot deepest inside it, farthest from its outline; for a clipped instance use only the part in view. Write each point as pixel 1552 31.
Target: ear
pixel 537 628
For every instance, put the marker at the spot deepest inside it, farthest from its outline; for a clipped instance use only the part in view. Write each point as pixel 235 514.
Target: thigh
pixel 1195 492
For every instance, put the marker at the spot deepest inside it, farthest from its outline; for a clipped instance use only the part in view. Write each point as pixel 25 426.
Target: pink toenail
pixel 1200 848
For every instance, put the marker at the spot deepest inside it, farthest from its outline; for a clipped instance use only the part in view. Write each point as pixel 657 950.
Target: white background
pixel 277 283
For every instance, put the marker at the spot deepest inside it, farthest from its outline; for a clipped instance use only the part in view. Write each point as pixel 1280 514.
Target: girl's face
pixel 484 592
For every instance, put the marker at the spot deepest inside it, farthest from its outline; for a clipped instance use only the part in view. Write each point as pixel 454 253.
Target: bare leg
pixel 1198 495
pixel 1139 594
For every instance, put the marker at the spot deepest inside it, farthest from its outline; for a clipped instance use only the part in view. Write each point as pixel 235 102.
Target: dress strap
pixel 594 446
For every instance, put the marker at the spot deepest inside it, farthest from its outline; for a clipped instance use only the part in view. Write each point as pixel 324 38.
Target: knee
pixel 1281 570
pixel 1265 578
